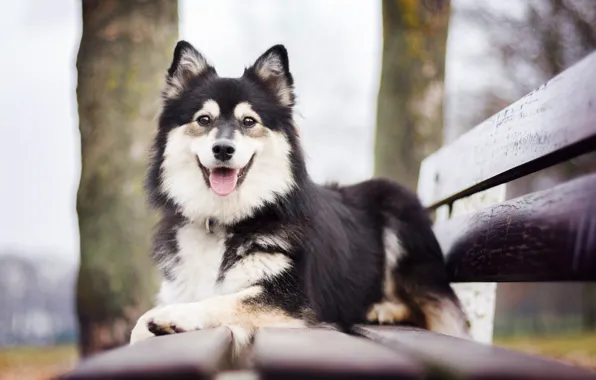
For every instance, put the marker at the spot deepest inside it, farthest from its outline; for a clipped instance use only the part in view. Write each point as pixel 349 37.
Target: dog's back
pixel 380 253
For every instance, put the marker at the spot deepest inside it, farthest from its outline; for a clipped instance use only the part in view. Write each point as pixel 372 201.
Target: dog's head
pixel 225 146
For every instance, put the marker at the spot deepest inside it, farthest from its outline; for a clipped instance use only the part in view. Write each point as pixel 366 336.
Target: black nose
pixel 223 150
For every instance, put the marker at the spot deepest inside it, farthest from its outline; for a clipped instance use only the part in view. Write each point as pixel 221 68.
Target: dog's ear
pixel 187 64
pixel 273 69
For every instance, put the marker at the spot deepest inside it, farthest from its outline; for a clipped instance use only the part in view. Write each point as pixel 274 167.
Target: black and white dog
pixel 246 238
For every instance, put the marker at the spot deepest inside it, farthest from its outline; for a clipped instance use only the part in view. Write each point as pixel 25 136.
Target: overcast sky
pixel 334 48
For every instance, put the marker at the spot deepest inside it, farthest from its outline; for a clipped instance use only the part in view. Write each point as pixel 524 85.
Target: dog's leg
pixel 242 312
pixel 391 309
pixel 416 288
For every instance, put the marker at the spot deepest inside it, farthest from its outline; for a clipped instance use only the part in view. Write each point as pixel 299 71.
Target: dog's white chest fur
pixel 195 277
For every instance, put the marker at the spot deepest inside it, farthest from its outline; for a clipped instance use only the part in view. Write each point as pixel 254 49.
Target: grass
pixel 577 349
pixel 36 363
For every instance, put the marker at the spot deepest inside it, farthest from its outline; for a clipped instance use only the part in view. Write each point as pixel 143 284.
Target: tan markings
pixel 284 92
pixel 194 129
pixel 388 312
pixel 256 316
pixel 271 71
pixel 242 312
pixel 296 128
pixel 446 317
pixel 210 108
pixel 243 110
pixel 257 131
pixel 191 64
pixel 269 66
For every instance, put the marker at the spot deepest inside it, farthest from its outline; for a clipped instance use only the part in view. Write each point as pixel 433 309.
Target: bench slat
pixel 550 125
pixel 192 355
pixel 321 353
pixel 471 360
pixel 544 236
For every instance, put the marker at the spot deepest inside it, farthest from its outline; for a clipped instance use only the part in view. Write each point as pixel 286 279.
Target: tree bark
pixel 125 49
pixel 410 102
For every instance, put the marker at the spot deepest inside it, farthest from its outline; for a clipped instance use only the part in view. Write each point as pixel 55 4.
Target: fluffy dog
pixel 247 240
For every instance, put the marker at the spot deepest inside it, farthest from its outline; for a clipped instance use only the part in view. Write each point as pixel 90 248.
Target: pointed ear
pixel 187 64
pixel 273 69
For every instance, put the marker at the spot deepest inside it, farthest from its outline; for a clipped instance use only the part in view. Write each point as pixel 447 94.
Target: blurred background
pixel 389 81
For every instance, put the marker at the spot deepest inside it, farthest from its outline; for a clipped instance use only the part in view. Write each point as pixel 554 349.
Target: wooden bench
pixel 544 236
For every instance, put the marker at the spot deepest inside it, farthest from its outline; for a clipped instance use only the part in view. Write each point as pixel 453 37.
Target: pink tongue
pixel 223 181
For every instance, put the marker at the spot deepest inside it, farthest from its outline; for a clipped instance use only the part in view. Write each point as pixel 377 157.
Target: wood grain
pixel 544 236
pixel 192 355
pixel 458 358
pixel 552 124
pixel 321 353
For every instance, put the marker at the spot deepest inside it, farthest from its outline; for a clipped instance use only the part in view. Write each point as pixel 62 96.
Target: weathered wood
pixel 192 355
pixel 321 353
pixel 544 236
pixel 550 125
pixel 459 358
pixel 478 298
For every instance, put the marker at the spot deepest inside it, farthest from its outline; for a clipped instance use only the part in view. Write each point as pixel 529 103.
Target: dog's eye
pixel 204 120
pixel 248 122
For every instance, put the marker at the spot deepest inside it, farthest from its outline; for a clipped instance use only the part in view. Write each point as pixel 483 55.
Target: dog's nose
pixel 223 150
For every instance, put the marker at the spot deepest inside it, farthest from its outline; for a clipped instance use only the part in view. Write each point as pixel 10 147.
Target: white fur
pixel 226 310
pixel 391 309
pixel 266 241
pixel 272 241
pixel 393 249
pixel 213 312
pixel 393 253
pixel 200 255
pixel 269 177
pixel 249 270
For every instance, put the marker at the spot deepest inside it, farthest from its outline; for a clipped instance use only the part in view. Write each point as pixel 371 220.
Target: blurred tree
pixel 124 52
pixel 547 38
pixel 410 102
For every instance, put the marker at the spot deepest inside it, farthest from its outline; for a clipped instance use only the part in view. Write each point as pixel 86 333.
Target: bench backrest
pixel 544 236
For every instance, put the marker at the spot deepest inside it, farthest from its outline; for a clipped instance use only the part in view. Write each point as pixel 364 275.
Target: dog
pixel 247 240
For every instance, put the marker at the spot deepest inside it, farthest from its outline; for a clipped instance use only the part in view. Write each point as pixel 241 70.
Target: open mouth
pixel 224 180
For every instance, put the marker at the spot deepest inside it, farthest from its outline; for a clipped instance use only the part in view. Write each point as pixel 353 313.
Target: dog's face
pixel 224 144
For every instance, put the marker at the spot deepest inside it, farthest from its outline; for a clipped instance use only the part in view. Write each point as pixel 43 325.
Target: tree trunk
pixel 125 49
pixel 410 103
pixel 589 307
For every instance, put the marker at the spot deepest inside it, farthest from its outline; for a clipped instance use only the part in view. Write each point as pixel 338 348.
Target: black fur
pixel 335 233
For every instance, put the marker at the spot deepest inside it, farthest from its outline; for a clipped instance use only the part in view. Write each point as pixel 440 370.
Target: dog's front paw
pixel 169 319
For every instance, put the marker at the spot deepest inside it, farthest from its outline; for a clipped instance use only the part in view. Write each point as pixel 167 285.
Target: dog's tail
pixel 444 315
